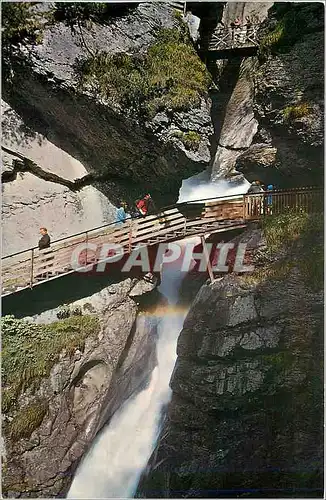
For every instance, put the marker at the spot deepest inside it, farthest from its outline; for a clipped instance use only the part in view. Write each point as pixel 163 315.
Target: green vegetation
pixel 20 22
pixel 28 419
pixel 293 21
pixel 169 77
pixel 291 113
pixel 297 241
pixel 271 41
pixel 279 360
pixel 190 139
pixel 284 229
pixel 29 351
pixel 75 14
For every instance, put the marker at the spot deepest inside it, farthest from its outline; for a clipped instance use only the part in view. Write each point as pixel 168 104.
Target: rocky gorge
pixel 106 104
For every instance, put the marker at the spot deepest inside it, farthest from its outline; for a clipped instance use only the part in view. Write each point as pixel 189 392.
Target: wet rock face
pixel 104 137
pixel 289 107
pixel 246 409
pixel 239 125
pixel 29 201
pixel 273 121
pixel 83 391
pixel 238 121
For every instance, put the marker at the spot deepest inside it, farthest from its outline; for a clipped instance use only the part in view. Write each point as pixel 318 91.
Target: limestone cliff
pixel 235 81
pixel 246 413
pixel 289 100
pixel 273 126
pixel 67 371
pixel 71 128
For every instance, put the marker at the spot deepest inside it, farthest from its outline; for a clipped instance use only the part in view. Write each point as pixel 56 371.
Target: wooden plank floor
pixel 33 267
pixel 19 272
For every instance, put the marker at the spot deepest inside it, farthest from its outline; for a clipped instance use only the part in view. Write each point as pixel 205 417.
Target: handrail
pixel 185 219
pixel 168 207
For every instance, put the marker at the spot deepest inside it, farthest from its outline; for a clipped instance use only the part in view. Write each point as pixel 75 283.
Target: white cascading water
pixel 198 188
pixel 119 454
pixel 113 465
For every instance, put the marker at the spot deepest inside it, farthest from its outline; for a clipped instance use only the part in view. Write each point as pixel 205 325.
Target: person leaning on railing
pixel 47 259
pixel 45 240
pixel 257 201
pixel 269 200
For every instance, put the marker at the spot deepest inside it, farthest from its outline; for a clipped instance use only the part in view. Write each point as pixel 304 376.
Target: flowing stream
pixel 122 449
pixel 119 454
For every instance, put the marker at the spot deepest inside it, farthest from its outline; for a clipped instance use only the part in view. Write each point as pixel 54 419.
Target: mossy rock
pixel 292 113
pixel 29 351
pixel 191 139
pixel 28 419
pixel 169 77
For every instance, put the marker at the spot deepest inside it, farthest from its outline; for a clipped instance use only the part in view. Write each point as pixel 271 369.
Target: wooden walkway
pixel 33 267
pixel 226 38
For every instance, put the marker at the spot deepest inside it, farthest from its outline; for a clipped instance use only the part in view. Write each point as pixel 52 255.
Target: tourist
pixel 146 205
pixel 248 22
pixel 121 214
pixel 45 239
pixel 269 199
pixel 257 202
pixel 249 28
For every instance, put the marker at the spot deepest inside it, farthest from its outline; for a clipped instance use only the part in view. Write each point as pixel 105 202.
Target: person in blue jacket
pixel 121 213
pixel 269 199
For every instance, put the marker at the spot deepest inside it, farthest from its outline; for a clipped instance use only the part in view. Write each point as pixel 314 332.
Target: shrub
pixel 29 351
pixel 271 41
pixel 20 22
pixel 190 139
pixel 293 240
pixel 301 236
pixel 169 77
pixel 291 113
pixel 293 22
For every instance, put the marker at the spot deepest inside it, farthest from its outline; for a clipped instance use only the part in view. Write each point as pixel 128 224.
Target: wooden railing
pixel 31 267
pixel 274 203
pixel 229 37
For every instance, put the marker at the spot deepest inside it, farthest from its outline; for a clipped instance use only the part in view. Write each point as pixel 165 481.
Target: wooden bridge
pixel 33 267
pixel 225 38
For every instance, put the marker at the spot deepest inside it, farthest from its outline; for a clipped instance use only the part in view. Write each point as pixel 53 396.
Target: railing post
pixel 244 206
pixel 208 262
pixel 86 241
pixel 32 269
pixel 130 239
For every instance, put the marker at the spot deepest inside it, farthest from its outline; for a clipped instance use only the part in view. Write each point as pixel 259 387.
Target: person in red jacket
pixel 145 205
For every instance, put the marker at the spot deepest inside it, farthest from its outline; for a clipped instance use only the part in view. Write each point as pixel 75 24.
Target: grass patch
pixel 277 271
pixel 28 419
pixel 169 77
pixel 284 229
pixel 271 41
pixel 291 113
pixel 29 351
pixel 293 21
pixel 295 240
pixel 191 139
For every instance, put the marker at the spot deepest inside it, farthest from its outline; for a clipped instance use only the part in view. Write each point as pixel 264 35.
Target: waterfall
pixel 199 188
pixel 112 467
pixel 119 454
